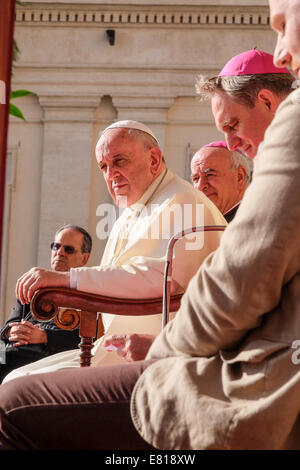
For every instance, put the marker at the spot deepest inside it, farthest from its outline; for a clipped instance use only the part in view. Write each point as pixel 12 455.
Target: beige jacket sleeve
pixel 258 254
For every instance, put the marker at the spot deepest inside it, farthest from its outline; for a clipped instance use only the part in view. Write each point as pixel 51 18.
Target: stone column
pixel 65 182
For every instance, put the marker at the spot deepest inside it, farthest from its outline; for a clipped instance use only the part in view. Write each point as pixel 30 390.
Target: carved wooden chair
pixel 72 308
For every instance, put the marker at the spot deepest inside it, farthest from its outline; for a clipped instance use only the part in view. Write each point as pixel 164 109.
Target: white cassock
pixel 133 266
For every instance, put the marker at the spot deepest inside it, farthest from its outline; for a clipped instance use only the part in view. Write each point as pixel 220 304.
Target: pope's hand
pixel 131 347
pixel 37 278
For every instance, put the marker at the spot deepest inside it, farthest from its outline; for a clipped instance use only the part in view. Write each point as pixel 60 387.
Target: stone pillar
pixel 150 110
pixel 65 182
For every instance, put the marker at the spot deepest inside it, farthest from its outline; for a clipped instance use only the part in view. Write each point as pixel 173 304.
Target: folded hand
pixel 25 332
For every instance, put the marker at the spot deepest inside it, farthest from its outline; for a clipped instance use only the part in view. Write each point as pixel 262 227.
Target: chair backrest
pixel 169 262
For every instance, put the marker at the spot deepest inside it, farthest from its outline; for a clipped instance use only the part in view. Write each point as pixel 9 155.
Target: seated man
pixel 222 175
pixel 221 374
pixel 27 339
pixel 158 204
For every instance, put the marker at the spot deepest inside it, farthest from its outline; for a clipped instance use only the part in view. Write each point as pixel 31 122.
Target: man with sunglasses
pixel 28 340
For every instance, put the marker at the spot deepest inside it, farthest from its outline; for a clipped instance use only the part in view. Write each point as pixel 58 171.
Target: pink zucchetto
pixel 251 62
pixel 219 144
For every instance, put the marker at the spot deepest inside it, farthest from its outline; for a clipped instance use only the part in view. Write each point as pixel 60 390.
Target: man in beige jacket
pixel 239 374
pixel 223 374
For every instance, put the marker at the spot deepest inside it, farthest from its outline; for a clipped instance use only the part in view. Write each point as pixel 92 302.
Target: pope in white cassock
pixel 158 204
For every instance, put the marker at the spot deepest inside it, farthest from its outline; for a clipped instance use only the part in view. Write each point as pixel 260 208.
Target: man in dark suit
pixel 222 175
pixel 25 339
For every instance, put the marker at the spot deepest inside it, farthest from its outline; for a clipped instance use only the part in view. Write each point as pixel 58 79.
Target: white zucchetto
pixel 131 125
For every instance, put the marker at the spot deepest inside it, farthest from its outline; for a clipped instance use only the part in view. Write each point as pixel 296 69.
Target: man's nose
pixel 110 173
pixel 282 58
pixel 233 142
pixel 202 184
pixel 61 250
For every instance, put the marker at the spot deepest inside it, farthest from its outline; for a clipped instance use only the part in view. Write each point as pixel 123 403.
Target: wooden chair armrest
pixel 81 308
pixel 47 301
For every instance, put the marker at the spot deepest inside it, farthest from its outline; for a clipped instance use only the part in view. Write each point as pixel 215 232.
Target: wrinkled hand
pixel 131 347
pixel 37 278
pixel 25 332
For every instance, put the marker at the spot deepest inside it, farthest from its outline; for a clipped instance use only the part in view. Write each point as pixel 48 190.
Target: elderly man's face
pixel 61 257
pixel 212 173
pixel 127 166
pixel 285 21
pixel 243 127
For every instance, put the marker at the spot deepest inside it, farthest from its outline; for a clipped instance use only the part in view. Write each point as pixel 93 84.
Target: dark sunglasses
pixel 68 248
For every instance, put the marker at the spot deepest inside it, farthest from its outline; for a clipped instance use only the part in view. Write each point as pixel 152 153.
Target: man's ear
pixel 241 176
pixel 269 99
pixel 156 160
pixel 85 258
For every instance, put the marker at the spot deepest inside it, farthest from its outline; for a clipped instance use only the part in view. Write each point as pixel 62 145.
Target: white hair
pixel 239 159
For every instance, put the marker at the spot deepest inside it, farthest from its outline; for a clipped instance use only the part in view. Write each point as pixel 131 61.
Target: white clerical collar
pixel 149 193
pixel 233 207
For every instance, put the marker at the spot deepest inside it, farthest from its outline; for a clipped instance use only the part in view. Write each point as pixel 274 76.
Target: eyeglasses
pixel 68 248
